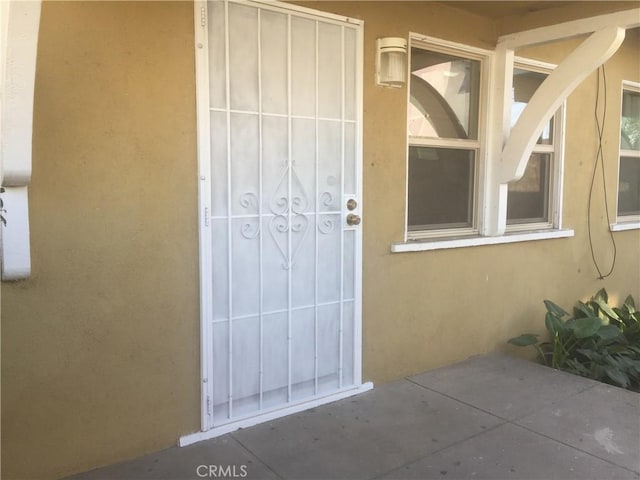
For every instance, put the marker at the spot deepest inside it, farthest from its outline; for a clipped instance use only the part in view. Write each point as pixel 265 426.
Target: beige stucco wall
pixel 100 357
pixel 426 309
pixel 100 348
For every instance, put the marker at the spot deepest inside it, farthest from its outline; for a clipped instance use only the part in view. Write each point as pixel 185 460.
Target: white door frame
pixel 205 231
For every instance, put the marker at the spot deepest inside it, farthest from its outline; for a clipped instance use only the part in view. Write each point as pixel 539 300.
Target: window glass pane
pixel 528 197
pixel 440 188
pixel 630 121
pixel 629 186
pixel 444 95
pixel 525 83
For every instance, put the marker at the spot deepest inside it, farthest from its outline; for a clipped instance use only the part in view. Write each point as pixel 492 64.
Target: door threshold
pixel 271 415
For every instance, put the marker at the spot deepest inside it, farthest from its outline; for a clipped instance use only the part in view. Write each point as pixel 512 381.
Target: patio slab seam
pixel 514 421
pixel 417 454
pixel 451 397
pixel 253 454
pixel 486 431
pixel 591 454
pixel 536 410
pixel 453 444
pixel 435 452
pixel 509 420
pixel 353 453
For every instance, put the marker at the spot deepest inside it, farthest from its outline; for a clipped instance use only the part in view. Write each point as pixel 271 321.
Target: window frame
pixel 556 151
pixel 478 145
pixel 625 220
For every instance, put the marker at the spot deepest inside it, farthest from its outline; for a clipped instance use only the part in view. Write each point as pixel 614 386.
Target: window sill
pixel 439 244
pixel 619 227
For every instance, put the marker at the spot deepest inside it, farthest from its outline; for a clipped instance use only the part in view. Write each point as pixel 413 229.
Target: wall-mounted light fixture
pixel 391 56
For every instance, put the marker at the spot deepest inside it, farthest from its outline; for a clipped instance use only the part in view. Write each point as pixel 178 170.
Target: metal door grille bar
pixel 268 215
pixel 290 195
pixel 229 224
pixel 260 239
pixel 281 115
pixel 342 112
pixel 317 217
pixel 284 310
pixel 301 12
pixel 300 401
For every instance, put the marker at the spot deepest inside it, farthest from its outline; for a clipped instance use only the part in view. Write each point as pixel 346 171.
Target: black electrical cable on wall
pixel 600 159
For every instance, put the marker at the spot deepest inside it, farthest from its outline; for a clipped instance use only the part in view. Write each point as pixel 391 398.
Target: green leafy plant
pixel 598 341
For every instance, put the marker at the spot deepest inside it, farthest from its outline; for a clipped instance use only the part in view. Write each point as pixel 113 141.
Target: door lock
pixel 353 219
pixel 352 204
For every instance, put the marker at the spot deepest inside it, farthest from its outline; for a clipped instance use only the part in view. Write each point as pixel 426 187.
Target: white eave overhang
pixel 509 149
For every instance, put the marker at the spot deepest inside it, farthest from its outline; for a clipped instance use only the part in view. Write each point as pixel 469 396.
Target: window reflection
pixel 629 186
pixel 444 95
pixel 529 196
pixel 630 121
pixel 440 188
pixel 525 83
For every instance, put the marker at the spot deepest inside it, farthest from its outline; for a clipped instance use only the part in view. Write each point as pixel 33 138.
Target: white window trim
pixel 469 237
pixel 484 57
pixel 474 241
pixel 628 225
pixel 625 222
pixel 556 180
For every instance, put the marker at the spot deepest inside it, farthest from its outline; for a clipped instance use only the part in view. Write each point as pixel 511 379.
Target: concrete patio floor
pixel 489 417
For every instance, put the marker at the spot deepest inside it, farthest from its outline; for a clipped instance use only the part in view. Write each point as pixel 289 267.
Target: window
pixel 448 195
pixel 629 171
pixel 444 140
pixel 531 199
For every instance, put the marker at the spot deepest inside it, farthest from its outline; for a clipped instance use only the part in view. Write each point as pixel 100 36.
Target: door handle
pixel 353 219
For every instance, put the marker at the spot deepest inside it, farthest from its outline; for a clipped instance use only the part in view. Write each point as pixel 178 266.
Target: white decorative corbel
pixel 509 151
pixel 555 89
pixel 19 24
pixel 16 258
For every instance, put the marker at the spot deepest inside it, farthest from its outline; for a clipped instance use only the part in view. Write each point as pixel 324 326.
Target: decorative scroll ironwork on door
pixel 283 113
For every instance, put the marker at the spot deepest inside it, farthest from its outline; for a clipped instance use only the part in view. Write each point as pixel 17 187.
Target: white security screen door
pixel 279 107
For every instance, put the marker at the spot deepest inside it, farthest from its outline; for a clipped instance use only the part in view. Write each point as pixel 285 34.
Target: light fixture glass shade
pixel 393 68
pixel 391 55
